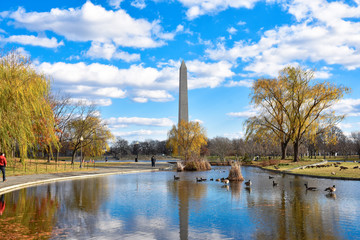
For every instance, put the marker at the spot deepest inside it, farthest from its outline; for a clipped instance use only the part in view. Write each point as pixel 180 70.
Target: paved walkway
pixel 17 182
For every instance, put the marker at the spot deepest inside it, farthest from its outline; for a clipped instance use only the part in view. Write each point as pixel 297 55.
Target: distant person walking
pixel 153 160
pixel 3 165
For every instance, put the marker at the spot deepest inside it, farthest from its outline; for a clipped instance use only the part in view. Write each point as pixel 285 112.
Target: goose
pixel 331 189
pixel 248 183
pixel 275 184
pixel 176 178
pixel 310 188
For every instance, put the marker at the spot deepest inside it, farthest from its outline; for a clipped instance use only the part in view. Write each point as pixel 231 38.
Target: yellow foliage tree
pixel 88 132
pixel 25 112
pixel 294 107
pixel 187 138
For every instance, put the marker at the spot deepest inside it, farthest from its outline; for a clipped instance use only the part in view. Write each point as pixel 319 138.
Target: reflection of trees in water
pixel 295 215
pixel 235 188
pixel 82 201
pixel 186 190
pixel 29 214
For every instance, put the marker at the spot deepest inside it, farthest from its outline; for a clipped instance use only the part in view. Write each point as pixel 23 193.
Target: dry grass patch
pixel 235 173
pixel 197 165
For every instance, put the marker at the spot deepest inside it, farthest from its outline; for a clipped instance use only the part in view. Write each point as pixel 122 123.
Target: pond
pixel 155 206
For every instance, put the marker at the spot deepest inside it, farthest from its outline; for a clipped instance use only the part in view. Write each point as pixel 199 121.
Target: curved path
pixel 17 182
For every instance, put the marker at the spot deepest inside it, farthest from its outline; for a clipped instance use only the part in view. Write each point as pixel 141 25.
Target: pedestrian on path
pixel 153 160
pixel 3 165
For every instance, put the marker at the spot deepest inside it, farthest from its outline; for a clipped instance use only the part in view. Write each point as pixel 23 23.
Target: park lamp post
pixel 137 151
pixel 81 139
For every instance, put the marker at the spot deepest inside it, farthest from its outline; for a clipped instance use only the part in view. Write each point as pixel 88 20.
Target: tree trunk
pixel 296 151
pixel 73 157
pixel 57 156
pixel 283 150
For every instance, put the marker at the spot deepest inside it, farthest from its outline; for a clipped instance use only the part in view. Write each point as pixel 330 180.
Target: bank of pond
pixel 157 205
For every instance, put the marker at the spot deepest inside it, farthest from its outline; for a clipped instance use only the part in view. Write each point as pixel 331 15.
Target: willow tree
pixel 25 113
pixel 269 96
pixel 293 107
pixel 187 138
pixel 308 106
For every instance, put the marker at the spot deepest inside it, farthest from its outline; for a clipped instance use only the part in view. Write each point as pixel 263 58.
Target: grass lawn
pixel 41 166
pixel 326 171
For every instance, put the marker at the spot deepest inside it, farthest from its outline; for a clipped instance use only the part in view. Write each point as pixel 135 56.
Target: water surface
pixel 154 206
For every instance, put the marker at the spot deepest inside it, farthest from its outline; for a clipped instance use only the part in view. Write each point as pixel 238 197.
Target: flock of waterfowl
pixel 226 181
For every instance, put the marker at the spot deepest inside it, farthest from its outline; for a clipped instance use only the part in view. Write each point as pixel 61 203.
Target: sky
pixel 125 55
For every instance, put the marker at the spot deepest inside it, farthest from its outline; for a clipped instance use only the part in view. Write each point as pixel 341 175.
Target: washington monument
pixel 183 94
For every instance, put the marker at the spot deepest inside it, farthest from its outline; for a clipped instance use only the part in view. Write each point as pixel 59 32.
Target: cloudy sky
pixel 125 55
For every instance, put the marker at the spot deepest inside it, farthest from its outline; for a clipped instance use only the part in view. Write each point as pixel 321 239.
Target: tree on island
pixel 293 108
pixel 186 140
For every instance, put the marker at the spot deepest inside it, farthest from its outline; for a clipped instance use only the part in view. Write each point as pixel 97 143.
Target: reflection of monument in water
pixel 183 115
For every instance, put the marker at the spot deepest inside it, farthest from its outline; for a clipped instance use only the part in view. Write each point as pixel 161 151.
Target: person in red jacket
pixel 3 165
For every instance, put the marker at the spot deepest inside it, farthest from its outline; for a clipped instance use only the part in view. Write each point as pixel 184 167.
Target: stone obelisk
pixel 183 94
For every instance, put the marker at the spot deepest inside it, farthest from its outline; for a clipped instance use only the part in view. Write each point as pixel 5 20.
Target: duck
pixel 226 181
pixel 211 179
pixel 310 188
pixel 218 180
pixel 176 178
pixel 275 184
pixel 198 179
pixel 331 189
pixel 248 183
pixel 270 177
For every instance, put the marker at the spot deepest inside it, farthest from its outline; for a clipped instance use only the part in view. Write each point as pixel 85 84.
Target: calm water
pixel 154 206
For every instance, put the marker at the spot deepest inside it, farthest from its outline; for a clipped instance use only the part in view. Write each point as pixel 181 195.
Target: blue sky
pixel 124 55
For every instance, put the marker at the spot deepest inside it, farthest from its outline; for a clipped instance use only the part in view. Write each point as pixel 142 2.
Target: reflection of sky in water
pixel 154 206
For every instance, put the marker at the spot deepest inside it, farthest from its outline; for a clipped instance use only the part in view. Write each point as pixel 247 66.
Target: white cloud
pixel 160 122
pixel 108 51
pixel 349 107
pixel 198 120
pixel 94 23
pixel 242 83
pixel 86 101
pixel 325 32
pixel 244 114
pixel 115 3
pixel 234 135
pixel 153 95
pixel 142 134
pixel 232 30
pixel 200 75
pixel 139 4
pixel 197 8
pixel 23 52
pixel 34 41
